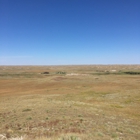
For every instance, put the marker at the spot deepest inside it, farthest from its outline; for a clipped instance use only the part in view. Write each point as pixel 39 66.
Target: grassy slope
pixel 87 106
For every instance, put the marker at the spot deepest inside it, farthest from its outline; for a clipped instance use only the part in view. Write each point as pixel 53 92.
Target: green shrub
pixel 29 118
pixel 26 110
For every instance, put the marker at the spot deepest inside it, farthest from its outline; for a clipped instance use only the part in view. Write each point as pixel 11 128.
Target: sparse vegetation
pixel 60 72
pixel 24 110
pixel 81 106
pixel 132 72
pixel 29 118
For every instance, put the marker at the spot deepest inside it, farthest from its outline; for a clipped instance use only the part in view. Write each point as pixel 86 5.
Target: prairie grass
pixel 69 107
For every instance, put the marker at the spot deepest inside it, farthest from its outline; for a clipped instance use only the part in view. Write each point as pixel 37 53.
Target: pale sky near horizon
pixel 67 32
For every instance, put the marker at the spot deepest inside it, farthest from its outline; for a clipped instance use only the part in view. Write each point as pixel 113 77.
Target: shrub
pixel 26 110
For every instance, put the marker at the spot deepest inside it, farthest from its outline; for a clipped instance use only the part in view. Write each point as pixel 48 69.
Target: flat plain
pixel 89 102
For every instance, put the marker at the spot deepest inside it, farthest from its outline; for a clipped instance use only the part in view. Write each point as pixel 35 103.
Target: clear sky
pixel 66 32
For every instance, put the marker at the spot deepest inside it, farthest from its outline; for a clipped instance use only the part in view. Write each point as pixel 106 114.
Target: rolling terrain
pixel 89 102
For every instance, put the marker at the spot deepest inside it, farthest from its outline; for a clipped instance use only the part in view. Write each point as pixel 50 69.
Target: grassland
pixel 94 102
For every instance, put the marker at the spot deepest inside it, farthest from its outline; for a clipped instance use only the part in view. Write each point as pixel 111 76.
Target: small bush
pixel 79 115
pixel 29 118
pixel 26 110
pixel 70 138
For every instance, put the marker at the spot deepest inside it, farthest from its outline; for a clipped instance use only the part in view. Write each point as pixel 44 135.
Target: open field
pixel 94 102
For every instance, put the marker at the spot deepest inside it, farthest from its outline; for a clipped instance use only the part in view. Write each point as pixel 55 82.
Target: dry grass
pixel 87 105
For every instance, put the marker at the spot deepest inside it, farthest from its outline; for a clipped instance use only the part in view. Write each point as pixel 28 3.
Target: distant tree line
pixel 132 72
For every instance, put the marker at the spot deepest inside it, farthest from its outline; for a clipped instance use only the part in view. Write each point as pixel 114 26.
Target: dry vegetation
pixel 70 103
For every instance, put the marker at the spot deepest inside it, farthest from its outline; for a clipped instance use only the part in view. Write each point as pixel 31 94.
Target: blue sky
pixel 66 32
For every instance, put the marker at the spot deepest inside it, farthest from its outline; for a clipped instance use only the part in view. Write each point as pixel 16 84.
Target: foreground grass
pixel 76 107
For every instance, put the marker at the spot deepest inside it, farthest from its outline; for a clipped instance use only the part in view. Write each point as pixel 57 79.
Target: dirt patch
pixel 59 78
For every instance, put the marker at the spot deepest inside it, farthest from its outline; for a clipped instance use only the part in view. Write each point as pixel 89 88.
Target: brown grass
pixel 89 105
